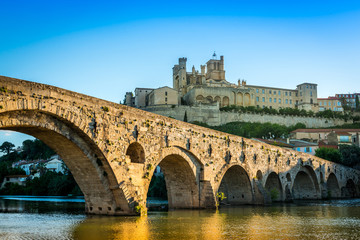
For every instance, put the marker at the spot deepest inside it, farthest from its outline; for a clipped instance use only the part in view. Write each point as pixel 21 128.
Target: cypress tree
pixel 185 117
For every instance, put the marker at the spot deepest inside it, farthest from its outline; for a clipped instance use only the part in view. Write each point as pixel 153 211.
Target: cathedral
pixel 210 87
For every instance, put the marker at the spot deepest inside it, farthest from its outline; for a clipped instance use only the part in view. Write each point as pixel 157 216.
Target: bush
pixel 329 154
pixel 274 194
pixel 287 111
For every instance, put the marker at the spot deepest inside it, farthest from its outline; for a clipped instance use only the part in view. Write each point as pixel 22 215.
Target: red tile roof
pixel 311 130
pixel 329 98
pixel 17 176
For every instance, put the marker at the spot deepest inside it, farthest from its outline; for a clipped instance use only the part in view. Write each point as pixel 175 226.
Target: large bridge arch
pixel 79 152
pixel 306 185
pixel 236 185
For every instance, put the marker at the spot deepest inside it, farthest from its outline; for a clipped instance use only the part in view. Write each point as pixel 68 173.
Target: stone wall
pixel 211 115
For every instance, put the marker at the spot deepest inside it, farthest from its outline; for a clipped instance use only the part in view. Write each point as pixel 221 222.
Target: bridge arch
pixel 349 190
pixel 259 175
pixel 136 153
pixel 79 152
pixel 182 172
pixel 236 185
pixel 305 184
pixel 333 186
pixel 274 187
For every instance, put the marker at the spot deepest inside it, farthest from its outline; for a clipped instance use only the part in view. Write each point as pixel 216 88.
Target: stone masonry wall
pixel 214 117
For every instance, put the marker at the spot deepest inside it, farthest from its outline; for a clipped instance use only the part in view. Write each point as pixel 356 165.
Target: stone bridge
pixel 112 151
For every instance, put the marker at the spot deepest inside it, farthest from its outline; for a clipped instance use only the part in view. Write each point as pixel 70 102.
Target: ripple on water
pixel 38 226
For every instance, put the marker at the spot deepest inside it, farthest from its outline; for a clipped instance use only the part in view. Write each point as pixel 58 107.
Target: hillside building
pixel 330 103
pixel 349 98
pixel 210 87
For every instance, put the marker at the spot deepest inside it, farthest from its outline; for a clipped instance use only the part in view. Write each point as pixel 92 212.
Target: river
pixel 64 218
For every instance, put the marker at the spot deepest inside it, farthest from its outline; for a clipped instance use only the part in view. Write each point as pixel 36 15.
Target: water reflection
pixel 302 220
pixel 30 204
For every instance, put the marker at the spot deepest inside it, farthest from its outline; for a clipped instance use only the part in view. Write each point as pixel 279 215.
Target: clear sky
pixel 106 48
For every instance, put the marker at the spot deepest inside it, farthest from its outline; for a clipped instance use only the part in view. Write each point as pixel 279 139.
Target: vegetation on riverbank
pixel 266 130
pixel 255 130
pixel 47 184
pixel 291 112
pixel 348 155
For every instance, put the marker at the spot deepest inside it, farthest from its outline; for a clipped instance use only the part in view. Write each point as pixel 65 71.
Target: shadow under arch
pixel 181 185
pixel 333 186
pixel 82 156
pixel 259 175
pixel 305 184
pixel 273 187
pixel 236 186
pixel 184 173
pixel 349 190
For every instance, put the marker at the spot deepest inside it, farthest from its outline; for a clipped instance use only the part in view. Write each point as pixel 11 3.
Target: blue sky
pixel 105 48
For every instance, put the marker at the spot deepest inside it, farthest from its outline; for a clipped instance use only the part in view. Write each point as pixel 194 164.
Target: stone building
pixel 209 86
pixel 162 96
pixel 342 136
pixel 330 103
pixel 349 98
pixel 140 96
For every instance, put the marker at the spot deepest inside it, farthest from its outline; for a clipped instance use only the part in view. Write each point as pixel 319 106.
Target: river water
pixel 64 218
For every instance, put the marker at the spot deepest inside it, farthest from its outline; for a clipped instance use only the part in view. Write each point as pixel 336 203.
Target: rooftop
pixel 312 130
pixel 302 143
pixel 278 143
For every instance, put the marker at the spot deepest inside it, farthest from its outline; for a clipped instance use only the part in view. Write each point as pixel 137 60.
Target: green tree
pixel 350 155
pixel 36 149
pixel 157 187
pixel 357 104
pixel 185 117
pixel 329 154
pixel 7 147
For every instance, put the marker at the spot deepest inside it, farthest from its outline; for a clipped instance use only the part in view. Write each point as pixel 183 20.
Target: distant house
pixel 19 179
pixel 55 164
pixel 315 135
pixel 29 166
pixel 304 146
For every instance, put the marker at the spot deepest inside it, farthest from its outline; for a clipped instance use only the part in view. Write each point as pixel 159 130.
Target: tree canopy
pixel 348 155
pixel 7 147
